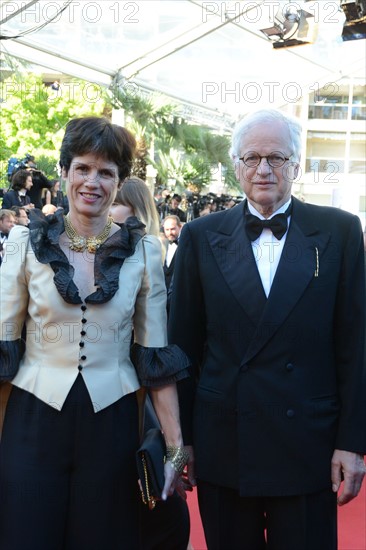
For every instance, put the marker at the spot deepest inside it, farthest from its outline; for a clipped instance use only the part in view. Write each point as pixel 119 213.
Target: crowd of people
pixel 192 205
pixel 30 188
pixel 235 326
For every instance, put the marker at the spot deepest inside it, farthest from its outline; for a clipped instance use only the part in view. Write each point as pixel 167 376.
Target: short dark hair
pixel 16 210
pixel 19 178
pixel 99 136
pixel 177 197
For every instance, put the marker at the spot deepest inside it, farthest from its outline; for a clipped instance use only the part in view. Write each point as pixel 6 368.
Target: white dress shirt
pixel 171 250
pixel 267 249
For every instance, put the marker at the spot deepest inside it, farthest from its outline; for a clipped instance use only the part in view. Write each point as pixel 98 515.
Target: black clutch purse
pixel 150 459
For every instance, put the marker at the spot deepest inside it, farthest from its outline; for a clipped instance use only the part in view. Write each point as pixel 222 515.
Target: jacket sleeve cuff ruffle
pixel 11 353
pixel 159 366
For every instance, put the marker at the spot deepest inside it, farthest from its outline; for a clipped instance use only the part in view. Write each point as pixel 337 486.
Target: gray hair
pixel 267 115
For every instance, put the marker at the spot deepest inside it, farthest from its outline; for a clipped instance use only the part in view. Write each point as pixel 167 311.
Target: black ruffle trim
pixel 159 366
pixel 45 233
pixel 11 353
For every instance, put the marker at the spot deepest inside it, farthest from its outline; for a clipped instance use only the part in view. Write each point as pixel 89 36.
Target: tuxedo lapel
pixel 303 248
pixel 233 254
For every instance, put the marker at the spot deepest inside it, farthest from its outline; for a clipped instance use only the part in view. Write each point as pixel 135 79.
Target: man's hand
pixel 191 480
pixel 352 466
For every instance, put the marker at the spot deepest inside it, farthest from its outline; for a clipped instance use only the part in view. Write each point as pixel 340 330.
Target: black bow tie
pixel 3 235
pixel 173 242
pixel 254 226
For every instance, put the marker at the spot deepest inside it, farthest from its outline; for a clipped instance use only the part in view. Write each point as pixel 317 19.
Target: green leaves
pixel 33 116
pixel 184 155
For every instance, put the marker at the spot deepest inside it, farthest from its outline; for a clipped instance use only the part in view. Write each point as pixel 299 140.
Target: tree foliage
pixel 184 155
pixel 33 117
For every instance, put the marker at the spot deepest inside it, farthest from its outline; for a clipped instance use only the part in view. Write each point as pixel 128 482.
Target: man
pixel 174 209
pixel 20 215
pixel 162 202
pixel 21 182
pixel 7 221
pixel 274 327
pixel 172 228
pixel 40 182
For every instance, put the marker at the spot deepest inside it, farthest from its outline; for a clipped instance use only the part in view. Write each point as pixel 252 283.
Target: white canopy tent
pixel 212 56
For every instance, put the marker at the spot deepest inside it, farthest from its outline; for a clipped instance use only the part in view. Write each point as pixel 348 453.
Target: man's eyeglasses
pixel 274 159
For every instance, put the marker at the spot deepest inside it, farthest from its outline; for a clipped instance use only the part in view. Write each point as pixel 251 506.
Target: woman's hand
pixel 181 482
pixel 171 481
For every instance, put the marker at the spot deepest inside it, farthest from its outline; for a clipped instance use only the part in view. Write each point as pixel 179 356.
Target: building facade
pixel 333 162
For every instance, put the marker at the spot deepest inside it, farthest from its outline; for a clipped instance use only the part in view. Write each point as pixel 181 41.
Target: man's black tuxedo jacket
pixel 12 198
pixel 278 383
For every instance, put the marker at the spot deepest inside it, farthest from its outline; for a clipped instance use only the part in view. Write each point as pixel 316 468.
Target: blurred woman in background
pixel 134 198
pixel 55 196
pixel 168 527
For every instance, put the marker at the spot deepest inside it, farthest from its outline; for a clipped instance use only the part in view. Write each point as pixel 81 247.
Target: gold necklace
pixel 80 243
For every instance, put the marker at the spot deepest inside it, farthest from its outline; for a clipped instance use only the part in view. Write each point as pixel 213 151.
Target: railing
pixel 337 112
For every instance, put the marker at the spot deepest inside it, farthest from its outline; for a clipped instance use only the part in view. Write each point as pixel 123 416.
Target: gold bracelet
pixel 178 456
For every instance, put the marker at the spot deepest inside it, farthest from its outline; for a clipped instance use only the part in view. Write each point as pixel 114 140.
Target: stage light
pixel 355 25
pixel 292 27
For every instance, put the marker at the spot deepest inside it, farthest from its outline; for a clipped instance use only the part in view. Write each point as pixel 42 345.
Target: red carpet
pixel 351 521
pixel 197 537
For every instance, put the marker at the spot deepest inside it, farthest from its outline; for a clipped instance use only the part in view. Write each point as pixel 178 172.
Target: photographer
pixel 162 204
pixel 39 182
pixel 174 209
pixel 201 205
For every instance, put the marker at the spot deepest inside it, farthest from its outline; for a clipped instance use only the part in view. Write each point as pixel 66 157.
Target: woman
pixel 55 196
pixel 135 199
pixel 168 527
pixel 82 284
pixel 17 196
